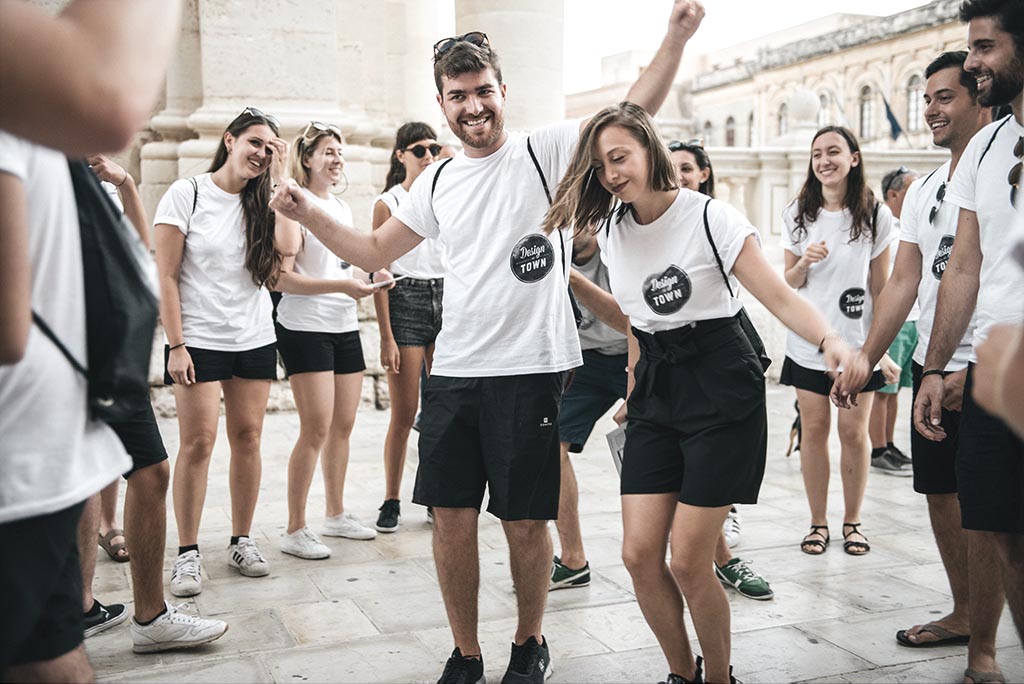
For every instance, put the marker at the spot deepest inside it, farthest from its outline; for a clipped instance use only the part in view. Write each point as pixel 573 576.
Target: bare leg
pixel 87 526
pixel 404 389
pixel 348 390
pixel 245 404
pixel 879 420
pixel 892 402
pixel 73 667
pixel 570 539
pixel 457 559
pixel 855 460
pixel 646 521
pixel 314 399
pixel 695 530
pixel 198 411
pixel 986 598
pixel 145 516
pixel 108 512
pixel 722 553
pixel 529 547
pixel 815 417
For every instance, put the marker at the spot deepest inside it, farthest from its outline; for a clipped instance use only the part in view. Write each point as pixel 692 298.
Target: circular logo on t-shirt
pixel 851 302
pixel 342 264
pixel 942 256
pixel 532 258
pixel 668 291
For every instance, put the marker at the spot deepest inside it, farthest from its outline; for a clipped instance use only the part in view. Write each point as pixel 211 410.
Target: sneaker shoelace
pixel 307 536
pixel 524 658
pixel 743 571
pixel 186 566
pixel 250 552
pixel 456 670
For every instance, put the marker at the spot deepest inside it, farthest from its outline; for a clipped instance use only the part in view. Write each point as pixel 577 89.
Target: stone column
pixel 527 35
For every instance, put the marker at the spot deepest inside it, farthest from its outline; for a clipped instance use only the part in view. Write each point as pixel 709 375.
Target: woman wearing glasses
pixel 215 254
pixel 837 255
pixel 318 336
pixel 409 314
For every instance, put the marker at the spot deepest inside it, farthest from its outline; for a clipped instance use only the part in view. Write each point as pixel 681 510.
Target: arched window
pixel 823 111
pixel 730 132
pixel 915 101
pixel 708 131
pixel 867 113
pixel 783 119
pixel 750 130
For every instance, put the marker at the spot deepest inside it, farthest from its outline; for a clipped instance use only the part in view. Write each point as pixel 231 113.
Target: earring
pixel 342 191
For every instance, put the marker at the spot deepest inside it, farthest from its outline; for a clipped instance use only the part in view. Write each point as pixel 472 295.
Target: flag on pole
pixel 895 130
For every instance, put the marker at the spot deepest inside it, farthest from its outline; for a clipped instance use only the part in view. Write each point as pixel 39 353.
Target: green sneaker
pixel 566 578
pixel 738 575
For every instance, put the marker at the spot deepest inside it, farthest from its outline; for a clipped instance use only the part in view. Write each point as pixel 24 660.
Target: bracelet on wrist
pixel 931 371
pixel 123 180
pixel 176 346
pixel 821 345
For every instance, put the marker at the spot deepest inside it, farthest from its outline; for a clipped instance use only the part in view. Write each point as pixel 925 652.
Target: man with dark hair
pixel 490 415
pixel 982 269
pixel 928 229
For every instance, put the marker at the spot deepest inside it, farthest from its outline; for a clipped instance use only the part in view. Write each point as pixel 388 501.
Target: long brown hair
pixel 581 201
pixel 410 132
pixel 858 198
pixel 261 257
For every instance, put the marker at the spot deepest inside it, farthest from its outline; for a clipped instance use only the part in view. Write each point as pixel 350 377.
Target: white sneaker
pixel 246 556
pixel 731 527
pixel 304 544
pixel 349 526
pixel 174 629
pixel 186 577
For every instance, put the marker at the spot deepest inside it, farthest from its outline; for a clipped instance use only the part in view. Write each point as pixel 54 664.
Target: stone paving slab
pixel 373 611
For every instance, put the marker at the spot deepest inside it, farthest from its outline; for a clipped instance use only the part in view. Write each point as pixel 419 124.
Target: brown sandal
pixel 117 552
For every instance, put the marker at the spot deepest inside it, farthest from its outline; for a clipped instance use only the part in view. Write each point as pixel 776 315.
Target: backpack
pixel 120 304
pixel 577 314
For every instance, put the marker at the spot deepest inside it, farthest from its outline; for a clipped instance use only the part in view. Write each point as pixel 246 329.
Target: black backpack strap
pixel 195 197
pixel 433 183
pixel 540 172
pixel 929 177
pixel 714 248
pixel 41 324
pixel 993 139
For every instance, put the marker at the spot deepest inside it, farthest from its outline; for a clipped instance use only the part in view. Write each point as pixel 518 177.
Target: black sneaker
pixel 699 677
pixel 529 664
pixel 462 670
pixel 105 618
pixel 901 457
pixel 390 516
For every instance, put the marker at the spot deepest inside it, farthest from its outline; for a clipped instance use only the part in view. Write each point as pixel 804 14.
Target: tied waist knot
pixel 679 346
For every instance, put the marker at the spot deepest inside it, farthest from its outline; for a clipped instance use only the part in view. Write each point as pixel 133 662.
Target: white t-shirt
pixel 426 260
pixel 51 454
pixel 221 308
pixel 935 241
pixel 894 249
pixel 838 285
pixel 594 333
pixel 985 191
pixel 664 274
pixel 506 305
pixel 330 313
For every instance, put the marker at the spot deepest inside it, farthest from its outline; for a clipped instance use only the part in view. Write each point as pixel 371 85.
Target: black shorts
pixel 314 352
pixel 498 433
pixel 698 424
pixel 934 462
pixel 414 308
pixel 141 438
pixel 42 583
pixel 817 381
pixel 989 470
pixel 593 388
pixel 212 365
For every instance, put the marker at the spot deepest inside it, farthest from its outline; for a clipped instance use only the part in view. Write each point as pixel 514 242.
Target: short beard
pixel 1006 85
pixel 497 128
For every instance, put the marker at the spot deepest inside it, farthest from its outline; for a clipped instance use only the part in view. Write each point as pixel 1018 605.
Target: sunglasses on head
pixel 420 151
pixel 939 196
pixel 900 172
pixel 677 145
pixel 314 129
pixel 1014 178
pixel 478 38
pixel 257 114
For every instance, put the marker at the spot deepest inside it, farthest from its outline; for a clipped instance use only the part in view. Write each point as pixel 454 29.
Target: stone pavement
pixel 373 611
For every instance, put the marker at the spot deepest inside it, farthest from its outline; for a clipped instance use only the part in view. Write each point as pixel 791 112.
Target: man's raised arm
pixel 655 82
pixel 369 251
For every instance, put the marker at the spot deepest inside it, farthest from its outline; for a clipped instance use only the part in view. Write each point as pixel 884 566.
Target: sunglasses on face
pixel 257 114
pixel 1014 178
pixel 420 151
pixel 900 172
pixel 939 196
pixel 316 128
pixel 478 38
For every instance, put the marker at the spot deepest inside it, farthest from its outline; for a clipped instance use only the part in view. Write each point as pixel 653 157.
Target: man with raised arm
pixel 490 413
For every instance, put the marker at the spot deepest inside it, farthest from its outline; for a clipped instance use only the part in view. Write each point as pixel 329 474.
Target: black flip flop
pixel 946 638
